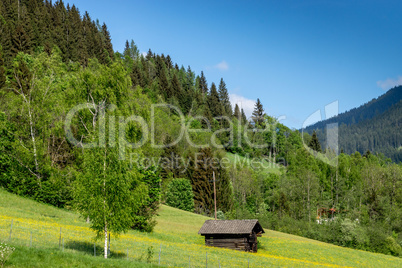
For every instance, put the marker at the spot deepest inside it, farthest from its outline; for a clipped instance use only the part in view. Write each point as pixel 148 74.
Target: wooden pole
pixel 160 251
pixel 213 173
pixel 60 239
pixel 11 230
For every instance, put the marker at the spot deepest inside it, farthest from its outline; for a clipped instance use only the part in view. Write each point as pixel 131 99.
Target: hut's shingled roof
pixel 230 227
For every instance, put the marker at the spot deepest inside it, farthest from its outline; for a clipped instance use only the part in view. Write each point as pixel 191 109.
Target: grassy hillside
pixel 175 235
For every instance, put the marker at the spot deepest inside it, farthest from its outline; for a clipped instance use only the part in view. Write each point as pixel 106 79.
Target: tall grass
pixel 175 240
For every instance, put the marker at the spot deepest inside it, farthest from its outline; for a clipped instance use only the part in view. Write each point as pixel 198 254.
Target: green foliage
pixel 5 253
pixel 144 217
pixel 108 192
pixel 2 69
pixel 6 161
pixel 224 99
pixel 33 24
pixel 180 194
pixel 236 113
pixel 43 74
pixel 258 113
pixel 215 106
pixel 393 246
pixel 243 116
pixel 150 253
pixel 369 127
pixel 315 143
pixel 202 166
pixel 202 85
pixel 220 215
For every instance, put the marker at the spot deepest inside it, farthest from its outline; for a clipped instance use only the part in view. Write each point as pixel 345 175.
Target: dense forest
pixel 112 135
pixel 374 126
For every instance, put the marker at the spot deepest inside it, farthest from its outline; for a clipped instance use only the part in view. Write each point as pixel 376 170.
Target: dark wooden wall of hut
pixel 237 242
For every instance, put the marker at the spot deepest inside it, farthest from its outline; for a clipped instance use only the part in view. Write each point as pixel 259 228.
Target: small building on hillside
pixel 233 234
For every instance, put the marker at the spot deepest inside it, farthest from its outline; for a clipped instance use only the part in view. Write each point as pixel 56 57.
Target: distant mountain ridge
pixel 375 126
pixel 366 111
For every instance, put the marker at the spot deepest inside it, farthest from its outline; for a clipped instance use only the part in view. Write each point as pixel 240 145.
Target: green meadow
pixel 36 230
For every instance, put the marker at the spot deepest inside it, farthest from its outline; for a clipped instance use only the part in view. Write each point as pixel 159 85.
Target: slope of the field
pixel 175 240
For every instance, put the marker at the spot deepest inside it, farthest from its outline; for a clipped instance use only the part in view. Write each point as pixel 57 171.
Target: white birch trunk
pixel 27 100
pixel 105 248
pixel 104 202
pixel 33 140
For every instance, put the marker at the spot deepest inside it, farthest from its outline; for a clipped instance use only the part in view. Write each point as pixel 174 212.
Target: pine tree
pixel 149 55
pixel 107 42
pixel 58 29
pixel 6 42
pixel 75 46
pixel 46 25
pixel 224 194
pixel 201 174
pixel 176 88
pixel 214 104
pixel 208 115
pixel 135 75
pixel 93 39
pixel 131 50
pixel 224 98
pixel 164 87
pixel 190 79
pixel 134 51
pixel 2 71
pixel 144 70
pixel 20 41
pixel 37 19
pixel 237 113
pixel 201 181
pixel 22 77
pixel 243 116
pixel 315 143
pixel 169 63
pixel 258 113
pixel 126 49
pixel 159 65
pixel 203 85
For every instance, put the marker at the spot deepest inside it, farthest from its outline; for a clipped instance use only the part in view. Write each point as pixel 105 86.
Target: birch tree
pixel 108 192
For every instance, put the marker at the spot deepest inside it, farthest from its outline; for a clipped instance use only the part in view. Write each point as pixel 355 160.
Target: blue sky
pixel 296 56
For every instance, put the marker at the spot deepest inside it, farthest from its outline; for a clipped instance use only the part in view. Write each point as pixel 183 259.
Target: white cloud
pixel 246 104
pixel 222 66
pixel 389 83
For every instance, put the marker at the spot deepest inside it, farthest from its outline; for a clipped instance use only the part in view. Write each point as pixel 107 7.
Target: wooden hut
pixel 233 234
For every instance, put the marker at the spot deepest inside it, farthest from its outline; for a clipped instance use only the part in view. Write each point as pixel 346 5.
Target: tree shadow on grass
pixel 88 248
